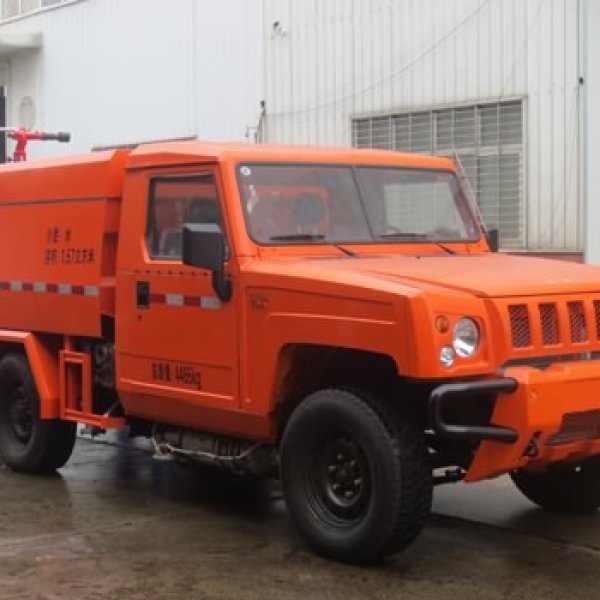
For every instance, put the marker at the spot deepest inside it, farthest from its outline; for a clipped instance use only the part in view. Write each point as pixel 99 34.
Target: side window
pixel 174 201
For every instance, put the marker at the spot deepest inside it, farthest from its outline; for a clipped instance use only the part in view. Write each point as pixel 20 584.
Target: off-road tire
pixel 28 443
pixel 329 432
pixel 563 488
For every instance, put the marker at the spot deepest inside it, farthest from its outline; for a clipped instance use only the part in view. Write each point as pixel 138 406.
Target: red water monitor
pixel 22 136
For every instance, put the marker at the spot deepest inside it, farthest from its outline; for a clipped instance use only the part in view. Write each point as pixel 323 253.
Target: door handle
pixel 142 289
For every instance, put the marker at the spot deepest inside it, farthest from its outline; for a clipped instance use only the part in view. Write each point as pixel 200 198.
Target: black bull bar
pixel 445 392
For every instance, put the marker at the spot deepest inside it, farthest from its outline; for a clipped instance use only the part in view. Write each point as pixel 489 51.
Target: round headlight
pixel 466 337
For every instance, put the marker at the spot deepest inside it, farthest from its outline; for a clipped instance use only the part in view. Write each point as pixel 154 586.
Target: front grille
pixel 566 324
pixel 597 317
pixel 549 320
pixel 577 322
pixel 577 426
pixel 519 325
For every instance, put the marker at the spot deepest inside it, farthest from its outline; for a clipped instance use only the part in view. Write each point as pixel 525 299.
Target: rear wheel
pixel 27 442
pixel 356 478
pixel 573 488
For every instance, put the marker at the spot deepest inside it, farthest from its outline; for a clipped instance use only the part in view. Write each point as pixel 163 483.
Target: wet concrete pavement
pixel 116 524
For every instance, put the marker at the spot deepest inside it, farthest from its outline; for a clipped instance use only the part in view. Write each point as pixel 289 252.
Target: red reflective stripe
pixel 80 290
pixel 192 301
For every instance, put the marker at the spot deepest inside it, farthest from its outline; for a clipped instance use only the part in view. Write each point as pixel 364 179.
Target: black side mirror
pixel 493 239
pixel 204 247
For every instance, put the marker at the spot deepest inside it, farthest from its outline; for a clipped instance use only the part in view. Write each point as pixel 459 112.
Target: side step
pixel 76 392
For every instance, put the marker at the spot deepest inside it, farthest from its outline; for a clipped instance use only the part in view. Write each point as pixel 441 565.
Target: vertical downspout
pixel 591 127
pixel 581 109
pixel 264 131
pixel 195 95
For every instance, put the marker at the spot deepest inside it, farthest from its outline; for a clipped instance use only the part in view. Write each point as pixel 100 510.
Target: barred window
pixel 488 139
pixel 14 8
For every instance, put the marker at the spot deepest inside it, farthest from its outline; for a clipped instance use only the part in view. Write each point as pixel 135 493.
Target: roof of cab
pixel 166 153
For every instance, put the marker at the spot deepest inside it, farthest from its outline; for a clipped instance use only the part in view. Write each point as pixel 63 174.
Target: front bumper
pixel 540 417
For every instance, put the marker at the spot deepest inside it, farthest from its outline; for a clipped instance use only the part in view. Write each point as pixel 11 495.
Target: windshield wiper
pixel 300 237
pixel 346 251
pixel 400 235
pixel 445 248
pixel 410 235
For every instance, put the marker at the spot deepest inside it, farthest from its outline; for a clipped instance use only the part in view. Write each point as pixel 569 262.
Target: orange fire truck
pixel 331 316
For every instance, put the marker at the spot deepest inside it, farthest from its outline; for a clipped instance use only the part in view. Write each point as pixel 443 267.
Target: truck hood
pixel 484 275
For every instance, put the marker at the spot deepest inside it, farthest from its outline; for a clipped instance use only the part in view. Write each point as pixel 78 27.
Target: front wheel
pixel 27 442
pixel 356 478
pixel 573 488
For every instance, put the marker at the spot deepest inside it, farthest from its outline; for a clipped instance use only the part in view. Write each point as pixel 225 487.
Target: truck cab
pixel 299 250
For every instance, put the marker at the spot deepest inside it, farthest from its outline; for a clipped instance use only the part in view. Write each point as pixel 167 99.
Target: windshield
pixel 316 204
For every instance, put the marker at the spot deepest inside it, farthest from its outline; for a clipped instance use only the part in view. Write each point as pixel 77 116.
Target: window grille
pixel 488 139
pixel 14 8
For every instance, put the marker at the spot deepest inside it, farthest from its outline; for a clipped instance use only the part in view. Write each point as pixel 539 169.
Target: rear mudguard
pixel 43 360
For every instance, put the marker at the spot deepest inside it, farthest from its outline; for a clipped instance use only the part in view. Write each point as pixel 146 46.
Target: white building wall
pixel 124 71
pixel 331 60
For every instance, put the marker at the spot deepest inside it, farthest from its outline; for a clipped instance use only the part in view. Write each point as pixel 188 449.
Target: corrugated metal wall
pixel 328 61
pixel 123 71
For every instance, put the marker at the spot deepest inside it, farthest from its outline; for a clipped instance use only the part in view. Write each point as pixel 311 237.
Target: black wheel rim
pixel 20 414
pixel 339 480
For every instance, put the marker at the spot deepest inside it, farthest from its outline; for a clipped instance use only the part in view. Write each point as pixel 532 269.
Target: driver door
pixel 178 356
